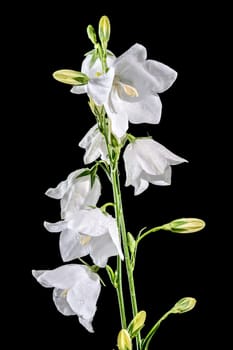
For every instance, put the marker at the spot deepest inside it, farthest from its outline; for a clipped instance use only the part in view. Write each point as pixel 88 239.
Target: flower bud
pixel 71 77
pixel 91 34
pixel 137 323
pixel 184 305
pixel 104 31
pixel 131 243
pixel 185 225
pixel 124 341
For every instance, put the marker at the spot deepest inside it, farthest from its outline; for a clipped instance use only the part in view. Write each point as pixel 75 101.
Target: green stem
pixel 154 229
pixel 120 295
pixel 121 221
pixel 151 333
pixel 119 287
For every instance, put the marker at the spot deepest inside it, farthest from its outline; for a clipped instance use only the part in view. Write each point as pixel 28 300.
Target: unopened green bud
pixel 131 243
pixel 185 225
pixel 137 323
pixel 104 31
pixel 184 305
pixel 124 341
pixel 71 77
pixel 91 34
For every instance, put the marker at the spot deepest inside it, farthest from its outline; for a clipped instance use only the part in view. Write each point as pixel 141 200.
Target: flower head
pixel 89 231
pixel 94 144
pixel 76 290
pixel 129 90
pixel 148 161
pixel 76 193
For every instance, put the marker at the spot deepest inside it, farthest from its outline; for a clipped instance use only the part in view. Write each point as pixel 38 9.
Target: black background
pixel 53 121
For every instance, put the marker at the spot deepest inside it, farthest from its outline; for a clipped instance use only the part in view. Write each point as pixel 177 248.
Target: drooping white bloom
pixel 129 90
pixel 76 290
pixel 89 231
pixel 76 193
pixel 94 144
pixel 99 85
pixel 148 161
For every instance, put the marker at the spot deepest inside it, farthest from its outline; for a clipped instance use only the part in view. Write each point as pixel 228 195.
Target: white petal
pixel 163 75
pixel 101 249
pixel 148 110
pixel 164 179
pixel 95 145
pixel 63 277
pixel 140 186
pixel 149 157
pixel 87 139
pixel 100 87
pixel 137 51
pixel 90 222
pixel 59 191
pixel 82 298
pixel 119 123
pixel 97 149
pixel 86 324
pixel 114 233
pixel 148 161
pixel 80 195
pixel 59 298
pixel 131 71
pixel 93 195
pixel 37 274
pixel 91 71
pixel 147 77
pixel 79 89
pixel 116 113
pixel 107 245
pixel 71 247
pixel 132 168
pixel 172 158
pixel 55 226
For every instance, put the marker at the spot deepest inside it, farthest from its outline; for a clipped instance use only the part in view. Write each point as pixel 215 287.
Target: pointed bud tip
pixel 91 34
pixel 185 225
pixel 184 305
pixel 104 30
pixel 124 341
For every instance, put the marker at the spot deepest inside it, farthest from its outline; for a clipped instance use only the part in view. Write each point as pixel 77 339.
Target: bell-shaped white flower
pixel 76 193
pixel 99 85
pixel 89 231
pixel 94 144
pixel 130 88
pixel 76 290
pixel 147 161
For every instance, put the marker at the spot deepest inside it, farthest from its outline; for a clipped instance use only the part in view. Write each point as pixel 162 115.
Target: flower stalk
pixel 121 221
pixel 121 90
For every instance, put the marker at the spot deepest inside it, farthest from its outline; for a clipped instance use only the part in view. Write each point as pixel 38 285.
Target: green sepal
pixel 111 275
pixel 84 173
